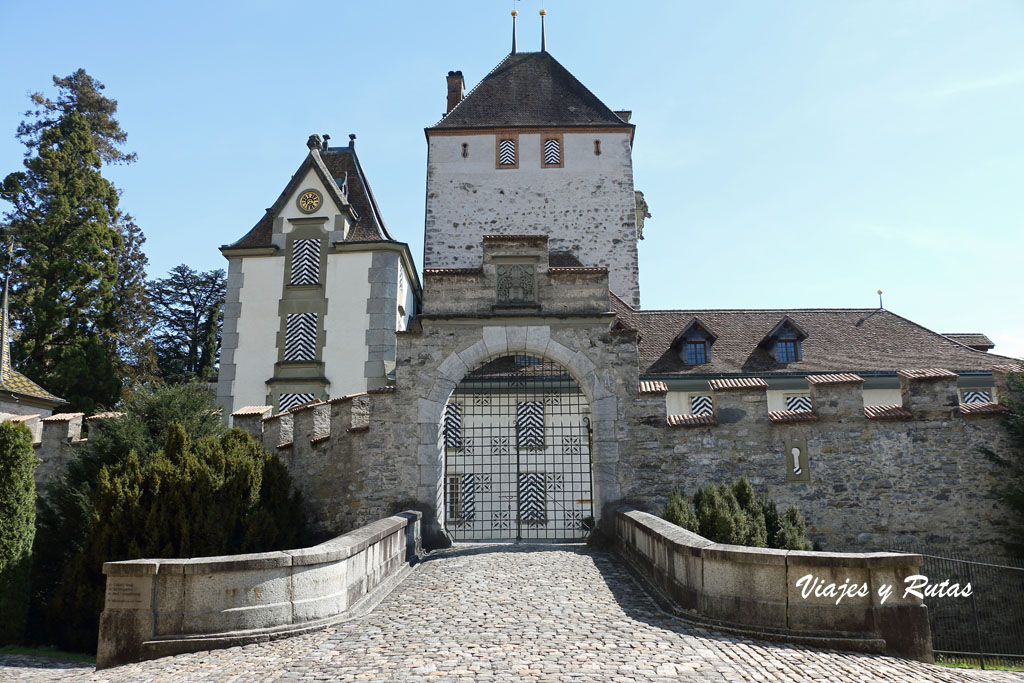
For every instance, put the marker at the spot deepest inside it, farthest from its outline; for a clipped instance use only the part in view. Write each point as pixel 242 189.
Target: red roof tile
pixel 886 413
pixel 792 416
pixel 986 408
pixel 692 421
pixel 738 383
pixel 252 410
pixel 842 378
pixel 653 388
pixel 926 373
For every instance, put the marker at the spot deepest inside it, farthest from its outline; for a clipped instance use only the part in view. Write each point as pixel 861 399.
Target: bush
pixel 734 514
pixel 199 490
pixel 17 527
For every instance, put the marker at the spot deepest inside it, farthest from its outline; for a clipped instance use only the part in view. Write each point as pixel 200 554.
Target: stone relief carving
pixel 516 283
pixel 642 213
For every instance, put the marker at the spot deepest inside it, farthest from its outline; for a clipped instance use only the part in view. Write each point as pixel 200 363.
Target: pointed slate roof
pixel 333 166
pixel 529 89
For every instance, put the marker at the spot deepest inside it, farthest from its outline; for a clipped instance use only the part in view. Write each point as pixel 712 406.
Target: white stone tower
pixel 530 150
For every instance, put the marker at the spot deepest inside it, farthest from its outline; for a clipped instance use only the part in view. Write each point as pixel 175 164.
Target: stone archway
pixel 499 341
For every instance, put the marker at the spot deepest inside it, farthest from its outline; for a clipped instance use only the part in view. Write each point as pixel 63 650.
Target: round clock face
pixel 309 201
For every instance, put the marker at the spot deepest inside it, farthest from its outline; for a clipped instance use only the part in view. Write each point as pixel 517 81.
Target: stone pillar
pixel 277 430
pixel 838 398
pixel 33 423
pixel 930 394
pixel 739 400
pixel 1004 393
pixel 250 419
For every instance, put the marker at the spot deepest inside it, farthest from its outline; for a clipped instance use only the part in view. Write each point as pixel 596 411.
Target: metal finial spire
pixel 5 334
pixel 514 15
pixel 543 39
pixel 880 299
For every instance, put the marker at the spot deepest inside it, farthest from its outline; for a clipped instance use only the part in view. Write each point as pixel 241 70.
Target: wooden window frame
pixel 797 356
pixel 544 137
pixel 453 499
pixel 514 137
pixel 686 345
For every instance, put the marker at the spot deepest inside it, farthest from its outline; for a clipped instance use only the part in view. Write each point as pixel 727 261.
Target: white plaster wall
pixel 328 209
pixel 588 206
pixel 882 397
pixel 346 321
pixel 258 325
pixel 406 299
pixel 677 403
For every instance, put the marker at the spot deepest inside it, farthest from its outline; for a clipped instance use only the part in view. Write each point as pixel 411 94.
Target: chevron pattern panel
pixel 305 262
pixel 552 152
pixel 701 405
pixel 798 403
pixel 532 502
pixel 300 336
pixel 977 397
pixel 507 153
pixel 287 401
pixel 453 425
pixel 530 424
pixel 468 497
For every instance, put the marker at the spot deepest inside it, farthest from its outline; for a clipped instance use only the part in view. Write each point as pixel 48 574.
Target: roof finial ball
pixel 514 15
pixel 543 39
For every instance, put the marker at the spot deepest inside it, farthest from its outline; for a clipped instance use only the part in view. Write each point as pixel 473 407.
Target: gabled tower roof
pixel 529 89
pixel 331 166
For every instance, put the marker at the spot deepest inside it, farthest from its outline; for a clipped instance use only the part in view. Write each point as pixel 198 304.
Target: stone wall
pixel 159 607
pixel 54 439
pixel 917 476
pixel 758 591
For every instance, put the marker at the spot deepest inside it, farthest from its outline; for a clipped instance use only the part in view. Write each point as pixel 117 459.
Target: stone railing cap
pixel 927 373
pixel 63 417
pixel 734 383
pixel 837 378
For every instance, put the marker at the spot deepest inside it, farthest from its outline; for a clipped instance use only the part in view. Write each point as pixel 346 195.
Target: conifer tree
pixel 188 308
pixel 17 527
pixel 77 299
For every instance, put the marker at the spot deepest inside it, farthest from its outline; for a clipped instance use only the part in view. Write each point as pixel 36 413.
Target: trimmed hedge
pixel 734 514
pixel 17 527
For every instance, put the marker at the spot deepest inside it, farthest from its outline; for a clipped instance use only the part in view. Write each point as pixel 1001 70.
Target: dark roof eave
pixel 631 127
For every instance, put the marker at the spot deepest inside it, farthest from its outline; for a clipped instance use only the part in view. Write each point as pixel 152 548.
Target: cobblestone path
pixel 511 613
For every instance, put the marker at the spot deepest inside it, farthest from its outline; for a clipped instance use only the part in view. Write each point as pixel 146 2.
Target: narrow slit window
pixel 597 148
pixel 465 150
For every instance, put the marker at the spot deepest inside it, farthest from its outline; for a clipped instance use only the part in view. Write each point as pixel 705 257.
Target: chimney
pixel 456 89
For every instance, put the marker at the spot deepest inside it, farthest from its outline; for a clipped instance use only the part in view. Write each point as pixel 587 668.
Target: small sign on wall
pixel 797 468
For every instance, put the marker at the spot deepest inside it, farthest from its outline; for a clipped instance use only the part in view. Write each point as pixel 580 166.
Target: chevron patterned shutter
pixel 798 403
pixel 507 153
pixel 287 401
pixel 305 262
pixel 552 152
pixel 300 337
pixel 532 498
pixel 977 396
pixel 453 425
pixel 530 424
pixel 468 495
pixel 701 405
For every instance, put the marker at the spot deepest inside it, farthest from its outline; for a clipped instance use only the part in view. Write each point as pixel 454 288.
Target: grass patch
pixel 991 663
pixel 51 652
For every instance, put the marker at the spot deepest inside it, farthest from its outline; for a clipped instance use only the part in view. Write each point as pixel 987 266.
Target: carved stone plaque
pixel 516 284
pixel 129 592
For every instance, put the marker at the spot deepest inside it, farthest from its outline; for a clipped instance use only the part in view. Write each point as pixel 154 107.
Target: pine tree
pixel 77 298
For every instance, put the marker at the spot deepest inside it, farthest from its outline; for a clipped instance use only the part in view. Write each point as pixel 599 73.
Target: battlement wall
pixel 861 477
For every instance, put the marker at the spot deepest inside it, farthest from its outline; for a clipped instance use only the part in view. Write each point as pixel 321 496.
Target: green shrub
pixel 17 527
pixel 733 513
pixel 166 480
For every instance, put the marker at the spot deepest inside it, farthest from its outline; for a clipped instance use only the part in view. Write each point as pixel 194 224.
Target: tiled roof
pixel 21 418
pixel 975 340
pixel 792 416
pixel 692 421
pixel 926 373
pixel 886 413
pixel 738 383
pixel 17 383
pixel 336 162
pixel 986 408
pixel 63 417
pixel 653 388
pixel 841 378
pixel 1009 367
pixel 839 340
pixel 108 415
pixel 529 89
pixel 251 410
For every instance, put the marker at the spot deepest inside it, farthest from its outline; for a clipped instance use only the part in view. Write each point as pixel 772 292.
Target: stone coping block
pixel 927 373
pixel 836 378
pixel 737 384
pixel 158 607
pixel 754 591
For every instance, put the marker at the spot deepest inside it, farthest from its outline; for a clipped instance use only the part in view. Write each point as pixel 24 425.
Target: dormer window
pixel 694 343
pixel 696 352
pixel 784 341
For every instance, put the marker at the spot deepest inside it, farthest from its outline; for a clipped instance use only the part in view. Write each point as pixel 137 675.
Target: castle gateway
pixel 521 392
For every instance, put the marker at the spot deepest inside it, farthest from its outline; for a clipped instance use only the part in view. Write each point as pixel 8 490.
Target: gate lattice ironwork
pixel 517 444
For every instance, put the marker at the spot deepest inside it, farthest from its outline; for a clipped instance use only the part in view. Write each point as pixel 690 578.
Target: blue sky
pixel 794 154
